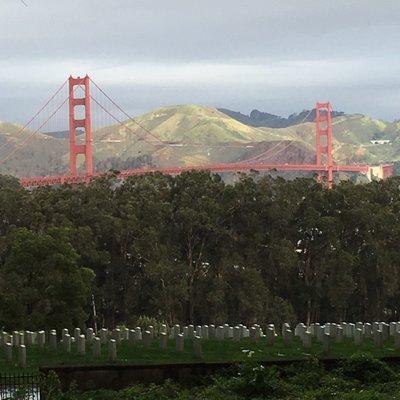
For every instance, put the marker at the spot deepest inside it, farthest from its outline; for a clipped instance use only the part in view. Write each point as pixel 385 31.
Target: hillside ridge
pixel 258 118
pixel 184 135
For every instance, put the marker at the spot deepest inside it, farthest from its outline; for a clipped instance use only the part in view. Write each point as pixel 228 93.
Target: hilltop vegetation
pixel 192 135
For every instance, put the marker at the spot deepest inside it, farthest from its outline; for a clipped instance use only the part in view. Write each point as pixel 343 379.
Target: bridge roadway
pixel 225 167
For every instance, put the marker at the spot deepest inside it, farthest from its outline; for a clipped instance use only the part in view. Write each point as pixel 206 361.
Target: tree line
pixel 194 249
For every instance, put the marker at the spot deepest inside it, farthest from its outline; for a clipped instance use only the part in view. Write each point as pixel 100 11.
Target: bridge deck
pixel 226 167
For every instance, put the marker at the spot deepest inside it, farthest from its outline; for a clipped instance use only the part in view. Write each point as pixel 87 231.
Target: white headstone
pixel 63 333
pixel 53 341
pixel 190 331
pixel 138 334
pixel 147 339
pixel 211 332
pixel 327 343
pixel 254 334
pixel 219 333
pixel 81 345
pixel 270 333
pixel 96 347
pixel 339 334
pixel 8 348
pixel 198 351
pixel 306 339
pixel 285 326
pixel 22 356
pixel 103 334
pixel 132 336
pixel 41 339
pixel 151 330
pixel 77 333
pixel 179 343
pixel 112 350
pixel 385 331
pixel 367 330
pixel 176 330
pixel 236 333
pixel 89 335
pixel 378 338
pixel 205 332
pixel 67 343
pixel 163 341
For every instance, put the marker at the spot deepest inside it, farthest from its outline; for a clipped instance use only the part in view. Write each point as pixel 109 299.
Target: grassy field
pixel 214 351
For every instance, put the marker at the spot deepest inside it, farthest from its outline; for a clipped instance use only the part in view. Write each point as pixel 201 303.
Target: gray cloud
pixel 279 56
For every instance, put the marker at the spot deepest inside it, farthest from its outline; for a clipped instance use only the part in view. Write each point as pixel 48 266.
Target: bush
pixel 367 369
pixel 144 322
pixel 305 376
pixel 257 381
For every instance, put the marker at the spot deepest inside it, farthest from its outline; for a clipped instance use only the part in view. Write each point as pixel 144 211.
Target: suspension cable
pixel 128 116
pixel 23 143
pixel 36 115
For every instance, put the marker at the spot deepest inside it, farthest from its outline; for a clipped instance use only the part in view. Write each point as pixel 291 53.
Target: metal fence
pixel 19 386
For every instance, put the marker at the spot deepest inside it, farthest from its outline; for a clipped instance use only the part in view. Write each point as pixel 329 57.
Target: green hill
pixel 191 135
pixel 25 153
pixel 194 124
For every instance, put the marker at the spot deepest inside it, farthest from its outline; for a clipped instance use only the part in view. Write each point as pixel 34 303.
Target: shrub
pixel 305 375
pixel 257 381
pixel 144 322
pixel 367 369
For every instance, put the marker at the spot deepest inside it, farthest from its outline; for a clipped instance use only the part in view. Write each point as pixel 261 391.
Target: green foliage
pixel 144 322
pixel 308 381
pixel 367 369
pixel 256 381
pixel 50 386
pixel 193 249
pixel 42 283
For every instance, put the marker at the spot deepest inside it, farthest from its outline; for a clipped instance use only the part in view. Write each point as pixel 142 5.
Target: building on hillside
pixel 380 141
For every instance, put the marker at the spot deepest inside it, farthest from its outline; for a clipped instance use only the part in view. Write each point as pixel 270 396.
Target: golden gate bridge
pixel 81 122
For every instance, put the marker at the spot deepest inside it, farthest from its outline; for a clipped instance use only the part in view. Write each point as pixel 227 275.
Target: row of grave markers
pixel 327 334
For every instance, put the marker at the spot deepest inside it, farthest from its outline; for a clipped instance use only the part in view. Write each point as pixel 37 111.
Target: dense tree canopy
pixel 192 248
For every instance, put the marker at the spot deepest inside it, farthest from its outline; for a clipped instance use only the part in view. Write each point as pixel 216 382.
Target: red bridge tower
pixel 324 139
pixel 87 148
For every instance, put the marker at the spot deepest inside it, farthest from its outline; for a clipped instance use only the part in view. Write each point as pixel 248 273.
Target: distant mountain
pixel 191 135
pixel 62 134
pixel 263 119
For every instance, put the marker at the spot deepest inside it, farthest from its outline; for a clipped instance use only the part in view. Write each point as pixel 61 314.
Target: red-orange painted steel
pixel 228 167
pixel 87 148
pixel 324 139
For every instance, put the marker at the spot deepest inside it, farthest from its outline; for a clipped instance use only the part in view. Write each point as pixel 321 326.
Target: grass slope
pixel 30 154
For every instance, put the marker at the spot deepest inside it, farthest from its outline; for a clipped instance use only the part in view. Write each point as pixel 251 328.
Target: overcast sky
pixel 278 56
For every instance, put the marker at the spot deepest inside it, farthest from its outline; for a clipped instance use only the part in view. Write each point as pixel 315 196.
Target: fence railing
pixel 19 386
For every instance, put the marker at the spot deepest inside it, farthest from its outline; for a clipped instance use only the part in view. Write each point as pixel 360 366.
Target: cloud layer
pixel 278 56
